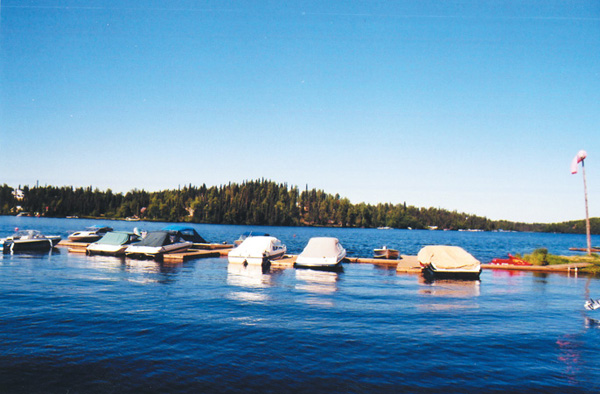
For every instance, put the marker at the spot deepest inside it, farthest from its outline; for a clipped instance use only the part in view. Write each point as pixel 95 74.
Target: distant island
pixel 257 202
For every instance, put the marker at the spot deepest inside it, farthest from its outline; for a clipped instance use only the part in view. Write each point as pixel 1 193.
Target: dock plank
pixel 185 256
pixel 286 262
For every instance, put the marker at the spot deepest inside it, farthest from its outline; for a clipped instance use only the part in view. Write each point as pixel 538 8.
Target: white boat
pixel 442 261
pixel 29 241
pixel 321 252
pixel 90 234
pixel 257 250
pixel 112 244
pixel 157 243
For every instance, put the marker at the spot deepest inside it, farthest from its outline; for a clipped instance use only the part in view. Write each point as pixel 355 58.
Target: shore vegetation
pixel 255 202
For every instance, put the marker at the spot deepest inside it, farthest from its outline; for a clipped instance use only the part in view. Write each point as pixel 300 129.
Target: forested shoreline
pixel 258 202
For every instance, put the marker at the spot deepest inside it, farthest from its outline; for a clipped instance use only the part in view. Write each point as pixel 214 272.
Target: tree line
pixel 256 202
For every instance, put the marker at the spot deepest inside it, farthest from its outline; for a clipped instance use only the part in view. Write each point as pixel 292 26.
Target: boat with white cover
pixel 323 253
pixel 112 244
pixel 29 241
pixel 442 261
pixel 257 250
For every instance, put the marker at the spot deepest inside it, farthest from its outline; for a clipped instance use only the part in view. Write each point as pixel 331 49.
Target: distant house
pixel 18 194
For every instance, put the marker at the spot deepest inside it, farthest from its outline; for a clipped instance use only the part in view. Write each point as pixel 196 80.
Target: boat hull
pixel 254 260
pixel 152 252
pixel 30 245
pixel 85 238
pixel 106 250
pixel 320 263
pixel 432 272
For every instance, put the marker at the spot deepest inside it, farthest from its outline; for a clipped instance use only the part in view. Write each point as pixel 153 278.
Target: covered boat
pixel 322 252
pixel 157 243
pixel 442 261
pixel 385 253
pixel 29 241
pixel 90 234
pixel 112 244
pixel 257 250
pixel 187 233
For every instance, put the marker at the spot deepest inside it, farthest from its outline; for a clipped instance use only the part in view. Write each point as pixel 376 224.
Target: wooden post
pixel 587 215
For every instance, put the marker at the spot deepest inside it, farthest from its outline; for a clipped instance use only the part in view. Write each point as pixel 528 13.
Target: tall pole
pixel 587 215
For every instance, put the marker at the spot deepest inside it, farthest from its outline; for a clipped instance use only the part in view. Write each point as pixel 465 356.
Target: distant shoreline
pixel 260 202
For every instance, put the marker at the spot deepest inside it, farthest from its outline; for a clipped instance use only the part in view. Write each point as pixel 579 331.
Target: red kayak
pixel 511 260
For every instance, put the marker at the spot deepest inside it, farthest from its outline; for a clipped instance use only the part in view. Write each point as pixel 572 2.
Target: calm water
pixel 71 323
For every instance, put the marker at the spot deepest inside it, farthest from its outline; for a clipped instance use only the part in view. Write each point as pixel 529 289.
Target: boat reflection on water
pixel 450 287
pixel 248 275
pixel 251 277
pixel 315 281
pixel 138 271
pixel 591 323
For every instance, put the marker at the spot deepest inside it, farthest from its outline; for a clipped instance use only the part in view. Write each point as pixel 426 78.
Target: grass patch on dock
pixel 542 257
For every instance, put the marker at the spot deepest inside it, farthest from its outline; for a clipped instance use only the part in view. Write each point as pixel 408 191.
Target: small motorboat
pixel 90 234
pixel 247 234
pixel 112 244
pixel 385 253
pixel 157 243
pixel 321 253
pixel 453 262
pixel 257 250
pixel 29 241
pixel 511 260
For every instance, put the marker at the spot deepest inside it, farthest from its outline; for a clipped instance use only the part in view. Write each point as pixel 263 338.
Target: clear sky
pixel 468 105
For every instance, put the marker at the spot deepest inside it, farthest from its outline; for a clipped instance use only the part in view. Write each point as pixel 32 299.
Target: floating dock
pixel 406 263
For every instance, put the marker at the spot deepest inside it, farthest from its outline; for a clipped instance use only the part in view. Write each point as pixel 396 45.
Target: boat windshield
pixel 28 234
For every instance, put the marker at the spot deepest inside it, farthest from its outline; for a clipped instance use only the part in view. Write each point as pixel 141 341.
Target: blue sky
pixel 474 106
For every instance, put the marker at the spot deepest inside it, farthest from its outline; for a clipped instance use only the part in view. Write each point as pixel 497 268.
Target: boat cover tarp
pixel 114 238
pixel 188 233
pixel 255 246
pixel 155 238
pixel 319 247
pixel 448 257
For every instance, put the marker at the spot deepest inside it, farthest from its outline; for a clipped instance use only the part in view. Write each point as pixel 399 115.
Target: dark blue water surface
pixel 77 324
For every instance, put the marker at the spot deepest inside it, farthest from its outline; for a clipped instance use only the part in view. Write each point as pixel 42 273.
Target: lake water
pixel 76 324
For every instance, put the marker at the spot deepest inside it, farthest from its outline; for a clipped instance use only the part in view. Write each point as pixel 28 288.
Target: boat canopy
pixel 447 257
pixel 319 247
pixel 186 232
pixel 115 238
pixel 158 238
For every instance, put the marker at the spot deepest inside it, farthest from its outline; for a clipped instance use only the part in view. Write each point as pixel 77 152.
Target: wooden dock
pixel 190 254
pixel 286 262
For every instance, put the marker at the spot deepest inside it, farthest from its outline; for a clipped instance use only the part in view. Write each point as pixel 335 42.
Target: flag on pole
pixel 576 160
